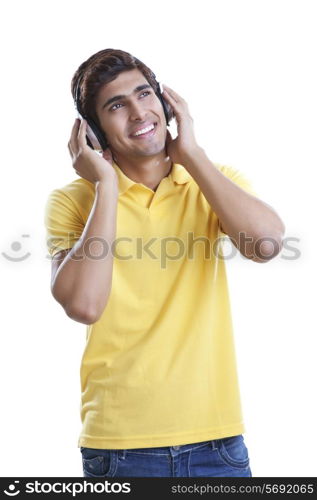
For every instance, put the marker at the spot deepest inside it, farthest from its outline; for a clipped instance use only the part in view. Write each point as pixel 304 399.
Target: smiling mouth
pixel 150 133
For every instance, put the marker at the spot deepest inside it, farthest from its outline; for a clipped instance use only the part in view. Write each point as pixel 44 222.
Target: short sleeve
pixel 63 222
pixel 238 178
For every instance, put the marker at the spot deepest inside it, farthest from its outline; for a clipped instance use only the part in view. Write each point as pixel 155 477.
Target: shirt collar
pixel 178 175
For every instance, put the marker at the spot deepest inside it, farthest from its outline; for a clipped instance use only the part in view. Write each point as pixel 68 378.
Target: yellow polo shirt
pixel 159 366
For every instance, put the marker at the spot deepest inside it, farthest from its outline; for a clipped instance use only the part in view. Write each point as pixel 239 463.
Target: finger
pixel 175 100
pixel 170 101
pixel 73 138
pixel 70 149
pixel 168 96
pixel 172 93
pixel 176 106
pixel 81 137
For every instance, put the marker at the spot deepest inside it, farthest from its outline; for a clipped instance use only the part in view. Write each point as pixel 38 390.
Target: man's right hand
pixel 87 163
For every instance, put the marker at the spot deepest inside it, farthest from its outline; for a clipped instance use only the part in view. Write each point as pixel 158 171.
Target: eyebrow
pixel 118 97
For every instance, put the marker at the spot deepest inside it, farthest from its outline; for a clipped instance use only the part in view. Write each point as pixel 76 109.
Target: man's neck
pixel 147 171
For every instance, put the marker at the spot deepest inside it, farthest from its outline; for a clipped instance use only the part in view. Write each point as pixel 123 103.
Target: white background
pixel 246 69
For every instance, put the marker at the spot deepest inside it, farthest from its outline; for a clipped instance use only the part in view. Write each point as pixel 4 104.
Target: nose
pixel 137 111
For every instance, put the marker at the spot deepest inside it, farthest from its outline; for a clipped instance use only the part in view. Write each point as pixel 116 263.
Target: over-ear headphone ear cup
pixel 170 112
pixel 100 135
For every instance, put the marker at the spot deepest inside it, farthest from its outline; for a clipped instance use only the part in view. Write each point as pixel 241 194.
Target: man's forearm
pixel 238 211
pixel 83 281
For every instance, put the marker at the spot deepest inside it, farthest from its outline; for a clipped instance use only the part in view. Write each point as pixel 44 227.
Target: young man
pixel 134 258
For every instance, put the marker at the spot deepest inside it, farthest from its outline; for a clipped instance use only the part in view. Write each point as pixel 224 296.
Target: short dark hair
pixel 103 67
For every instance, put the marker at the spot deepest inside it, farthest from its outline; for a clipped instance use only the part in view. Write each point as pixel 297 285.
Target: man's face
pixel 132 111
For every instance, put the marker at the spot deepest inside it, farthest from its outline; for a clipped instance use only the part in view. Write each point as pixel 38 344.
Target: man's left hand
pixel 184 146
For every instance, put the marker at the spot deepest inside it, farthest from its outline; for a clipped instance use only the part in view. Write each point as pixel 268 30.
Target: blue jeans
pixel 225 457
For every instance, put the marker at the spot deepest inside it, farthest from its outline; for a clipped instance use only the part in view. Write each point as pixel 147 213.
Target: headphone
pixel 96 138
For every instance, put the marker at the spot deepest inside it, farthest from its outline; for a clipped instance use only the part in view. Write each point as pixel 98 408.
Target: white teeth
pixel 144 130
